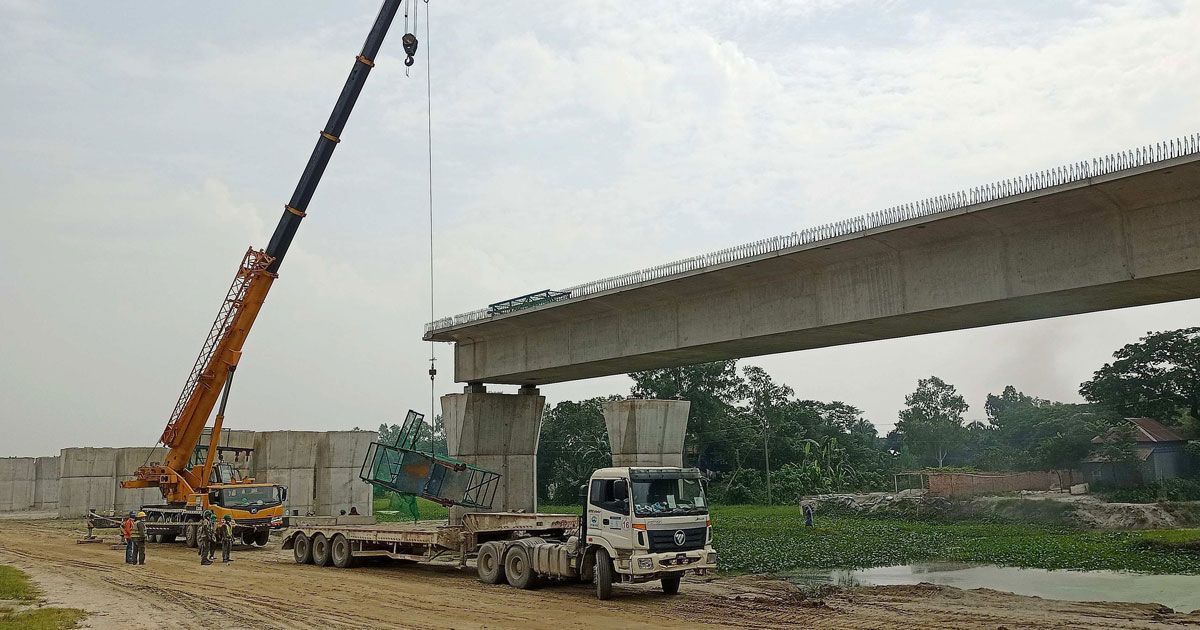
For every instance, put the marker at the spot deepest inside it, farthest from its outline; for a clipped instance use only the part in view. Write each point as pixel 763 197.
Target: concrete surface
pixel 45 489
pixel 646 432
pixel 497 432
pixel 80 479
pixel 1119 240
pixel 17 481
pixel 275 450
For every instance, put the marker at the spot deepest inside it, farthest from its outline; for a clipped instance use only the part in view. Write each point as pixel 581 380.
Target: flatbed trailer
pixel 339 540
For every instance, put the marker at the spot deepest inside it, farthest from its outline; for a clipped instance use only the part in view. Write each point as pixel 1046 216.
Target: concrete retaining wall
pixel 17 481
pixel 320 470
pixel 45 488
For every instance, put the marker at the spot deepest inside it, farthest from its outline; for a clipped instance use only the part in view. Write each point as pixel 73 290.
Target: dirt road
pixel 263 588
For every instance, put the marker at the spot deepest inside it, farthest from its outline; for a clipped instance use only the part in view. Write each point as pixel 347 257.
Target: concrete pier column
pixel 646 432
pixel 498 432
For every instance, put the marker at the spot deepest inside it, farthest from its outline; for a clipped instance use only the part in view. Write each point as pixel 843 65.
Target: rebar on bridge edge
pixel 1070 173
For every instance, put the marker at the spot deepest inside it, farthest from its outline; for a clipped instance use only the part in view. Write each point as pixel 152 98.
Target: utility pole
pixel 767 456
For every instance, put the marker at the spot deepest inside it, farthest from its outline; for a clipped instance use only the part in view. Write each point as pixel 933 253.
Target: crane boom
pixel 222 349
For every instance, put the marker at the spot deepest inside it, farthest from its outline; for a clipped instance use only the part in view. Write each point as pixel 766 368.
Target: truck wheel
pixel 671 584
pixel 248 537
pixel 489 564
pixel 320 550
pixel 189 536
pixel 518 570
pixel 262 537
pixel 343 555
pixel 604 575
pixel 302 549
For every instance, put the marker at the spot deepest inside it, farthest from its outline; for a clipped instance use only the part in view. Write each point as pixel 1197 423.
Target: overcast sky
pixel 146 145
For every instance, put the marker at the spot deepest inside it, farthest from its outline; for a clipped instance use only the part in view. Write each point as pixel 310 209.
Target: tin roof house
pixel 1158 454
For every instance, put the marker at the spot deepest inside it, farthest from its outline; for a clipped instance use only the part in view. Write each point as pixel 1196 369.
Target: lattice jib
pixel 254 262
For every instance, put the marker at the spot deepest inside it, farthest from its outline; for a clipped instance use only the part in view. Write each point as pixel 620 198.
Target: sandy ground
pixel 263 588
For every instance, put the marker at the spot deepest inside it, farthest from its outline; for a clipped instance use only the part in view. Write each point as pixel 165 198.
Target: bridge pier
pixel 646 432
pixel 498 432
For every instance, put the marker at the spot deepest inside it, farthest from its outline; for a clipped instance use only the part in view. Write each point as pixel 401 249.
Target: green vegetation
pixel 1170 490
pixel 763 539
pixel 426 510
pixel 15 586
pixel 41 619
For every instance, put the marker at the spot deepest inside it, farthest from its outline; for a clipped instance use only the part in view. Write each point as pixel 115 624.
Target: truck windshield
pixel 668 497
pixel 246 497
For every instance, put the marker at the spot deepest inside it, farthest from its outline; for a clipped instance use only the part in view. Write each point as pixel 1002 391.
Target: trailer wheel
pixel 262 537
pixel 189 536
pixel 320 550
pixel 248 537
pixel 302 549
pixel 604 575
pixel 518 569
pixel 671 584
pixel 340 551
pixel 489 564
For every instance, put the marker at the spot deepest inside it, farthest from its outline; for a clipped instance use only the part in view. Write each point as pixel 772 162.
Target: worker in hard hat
pixel 204 537
pixel 127 536
pixel 226 538
pixel 138 535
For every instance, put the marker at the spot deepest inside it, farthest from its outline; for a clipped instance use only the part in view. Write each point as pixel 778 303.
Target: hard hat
pixel 228 517
pixel 141 515
pixel 207 513
pixel 132 514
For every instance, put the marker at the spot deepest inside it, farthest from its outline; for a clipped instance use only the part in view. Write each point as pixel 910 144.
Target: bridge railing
pixel 1040 180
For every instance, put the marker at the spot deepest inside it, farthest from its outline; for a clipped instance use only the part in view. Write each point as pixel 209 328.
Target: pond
pixel 1180 592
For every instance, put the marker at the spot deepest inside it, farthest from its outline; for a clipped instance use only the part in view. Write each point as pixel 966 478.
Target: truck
pixel 638 524
pixel 191 485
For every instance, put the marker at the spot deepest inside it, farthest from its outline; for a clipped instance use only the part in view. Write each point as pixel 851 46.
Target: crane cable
pixel 429 151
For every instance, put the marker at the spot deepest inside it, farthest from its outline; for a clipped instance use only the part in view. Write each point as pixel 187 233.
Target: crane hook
pixel 410 48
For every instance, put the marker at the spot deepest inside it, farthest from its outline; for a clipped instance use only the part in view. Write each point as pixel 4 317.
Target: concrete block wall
pixel 87 480
pixel 45 488
pixel 17 481
pixel 338 487
pixel 289 458
pixel 320 470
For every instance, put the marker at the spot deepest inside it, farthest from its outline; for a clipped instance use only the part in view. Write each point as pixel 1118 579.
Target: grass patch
pixel 427 510
pixel 768 539
pixel 41 619
pixel 15 585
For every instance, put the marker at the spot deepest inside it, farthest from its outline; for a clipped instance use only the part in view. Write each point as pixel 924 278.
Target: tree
pixel 715 427
pixel 932 422
pixel 1158 376
pixel 573 444
pixel 1010 400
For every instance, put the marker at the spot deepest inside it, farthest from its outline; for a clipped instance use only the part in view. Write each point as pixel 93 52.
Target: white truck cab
pixel 646 523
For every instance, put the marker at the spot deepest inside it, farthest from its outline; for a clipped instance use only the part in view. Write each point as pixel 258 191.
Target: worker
pixel 204 537
pixel 127 535
pixel 353 511
pixel 138 535
pixel 808 507
pixel 226 538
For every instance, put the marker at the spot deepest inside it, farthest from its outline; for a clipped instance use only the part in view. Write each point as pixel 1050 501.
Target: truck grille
pixel 663 540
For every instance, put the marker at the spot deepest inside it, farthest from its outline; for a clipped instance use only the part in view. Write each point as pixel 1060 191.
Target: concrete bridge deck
pixel 1116 232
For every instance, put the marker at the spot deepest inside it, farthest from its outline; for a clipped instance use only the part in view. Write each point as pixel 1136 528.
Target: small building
pixel 1158 454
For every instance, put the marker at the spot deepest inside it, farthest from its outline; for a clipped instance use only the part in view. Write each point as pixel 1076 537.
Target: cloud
pixel 572 141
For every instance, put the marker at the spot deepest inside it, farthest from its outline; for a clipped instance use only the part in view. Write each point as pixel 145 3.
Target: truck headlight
pixel 712 557
pixel 646 563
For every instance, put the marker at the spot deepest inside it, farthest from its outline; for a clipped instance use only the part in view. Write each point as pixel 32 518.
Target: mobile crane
pixel 191 485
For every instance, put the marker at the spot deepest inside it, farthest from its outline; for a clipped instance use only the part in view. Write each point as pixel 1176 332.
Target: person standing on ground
pixel 204 538
pixel 809 508
pixel 127 534
pixel 226 538
pixel 138 535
